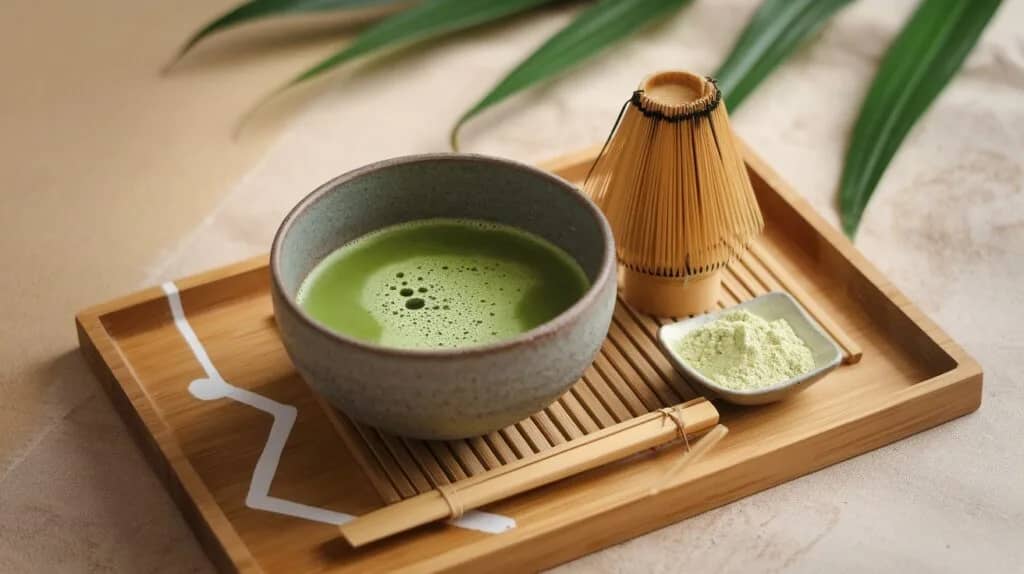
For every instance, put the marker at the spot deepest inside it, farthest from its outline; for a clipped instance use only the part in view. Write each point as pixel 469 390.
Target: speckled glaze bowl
pixel 454 393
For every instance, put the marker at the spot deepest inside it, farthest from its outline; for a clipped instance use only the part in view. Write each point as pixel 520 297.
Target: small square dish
pixel 770 306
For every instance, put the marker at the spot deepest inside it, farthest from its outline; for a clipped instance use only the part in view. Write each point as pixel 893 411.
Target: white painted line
pixel 214 387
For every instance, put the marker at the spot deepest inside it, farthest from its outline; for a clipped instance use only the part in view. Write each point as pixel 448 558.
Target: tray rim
pixel 230 553
pixel 213 529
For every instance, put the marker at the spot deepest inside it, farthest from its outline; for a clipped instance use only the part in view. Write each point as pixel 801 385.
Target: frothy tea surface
pixel 442 283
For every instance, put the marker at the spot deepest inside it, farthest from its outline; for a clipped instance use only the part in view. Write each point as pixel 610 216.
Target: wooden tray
pixel 237 487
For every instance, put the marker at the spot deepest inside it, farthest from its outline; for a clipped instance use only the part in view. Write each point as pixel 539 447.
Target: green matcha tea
pixel 442 283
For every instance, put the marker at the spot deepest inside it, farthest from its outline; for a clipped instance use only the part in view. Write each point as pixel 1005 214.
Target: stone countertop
pixel 123 177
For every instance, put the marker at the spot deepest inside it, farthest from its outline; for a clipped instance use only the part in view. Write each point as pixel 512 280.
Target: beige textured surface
pixel 113 166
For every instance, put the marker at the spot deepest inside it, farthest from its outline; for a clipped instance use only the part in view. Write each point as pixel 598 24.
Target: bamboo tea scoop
pixel 568 459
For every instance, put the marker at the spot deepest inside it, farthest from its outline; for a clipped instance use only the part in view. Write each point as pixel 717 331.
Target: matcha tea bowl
pixel 443 296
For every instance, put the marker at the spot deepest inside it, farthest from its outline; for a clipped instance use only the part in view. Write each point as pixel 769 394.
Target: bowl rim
pixel 725 392
pixel 542 331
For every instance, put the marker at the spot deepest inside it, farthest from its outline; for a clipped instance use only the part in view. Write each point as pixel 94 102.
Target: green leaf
pixel 427 20
pixel 259 9
pixel 915 69
pixel 598 27
pixel 774 32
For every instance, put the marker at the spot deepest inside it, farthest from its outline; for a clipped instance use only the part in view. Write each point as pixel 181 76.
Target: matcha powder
pixel 742 351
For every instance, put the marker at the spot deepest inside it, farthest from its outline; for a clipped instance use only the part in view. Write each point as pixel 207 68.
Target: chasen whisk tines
pixel 675 190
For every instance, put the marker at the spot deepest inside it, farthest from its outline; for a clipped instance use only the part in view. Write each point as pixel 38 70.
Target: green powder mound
pixel 742 351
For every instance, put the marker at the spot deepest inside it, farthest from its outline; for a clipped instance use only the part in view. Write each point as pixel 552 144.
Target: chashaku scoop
pixel 673 185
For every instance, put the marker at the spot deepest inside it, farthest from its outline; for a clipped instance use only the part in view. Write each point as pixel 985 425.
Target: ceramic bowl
pixel 770 306
pixel 444 394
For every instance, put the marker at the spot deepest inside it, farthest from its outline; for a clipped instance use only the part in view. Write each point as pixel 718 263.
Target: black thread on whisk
pixel 608 139
pixel 637 101
pixel 705 109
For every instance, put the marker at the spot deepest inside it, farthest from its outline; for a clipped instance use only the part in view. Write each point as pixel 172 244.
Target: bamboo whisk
pixel 675 190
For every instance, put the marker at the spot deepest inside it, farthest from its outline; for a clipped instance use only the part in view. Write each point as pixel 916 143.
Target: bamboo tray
pixel 265 478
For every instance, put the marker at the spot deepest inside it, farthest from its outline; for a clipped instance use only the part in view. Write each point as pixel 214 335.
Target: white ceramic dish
pixel 770 306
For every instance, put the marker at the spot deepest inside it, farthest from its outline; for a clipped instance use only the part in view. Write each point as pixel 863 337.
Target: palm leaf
pixel 916 67
pixel 598 27
pixel 774 32
pixel 259 9
pixel 427 20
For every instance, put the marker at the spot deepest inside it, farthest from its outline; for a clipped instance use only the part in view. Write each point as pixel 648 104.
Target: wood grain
pixel 911 376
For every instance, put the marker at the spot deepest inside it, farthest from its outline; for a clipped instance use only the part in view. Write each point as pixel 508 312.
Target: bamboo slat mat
pixel 629 377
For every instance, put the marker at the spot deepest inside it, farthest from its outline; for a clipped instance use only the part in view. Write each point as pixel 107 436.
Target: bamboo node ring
pixel 455 507
pixel 677 419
